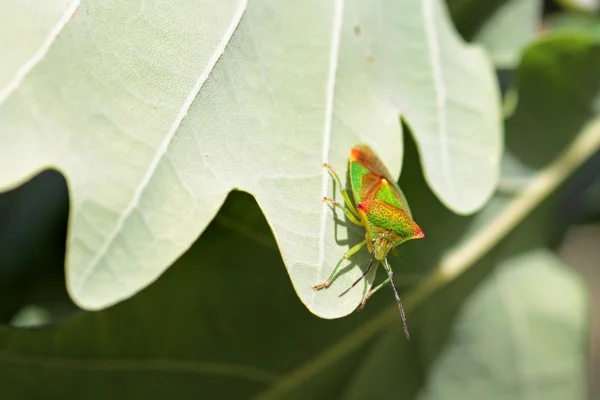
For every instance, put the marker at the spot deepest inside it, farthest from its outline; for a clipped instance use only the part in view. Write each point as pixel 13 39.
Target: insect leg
pixel 348 213
pixel 353 250
pixel 382 284
pixel 371 293
pixel 343 190
pixel 362 276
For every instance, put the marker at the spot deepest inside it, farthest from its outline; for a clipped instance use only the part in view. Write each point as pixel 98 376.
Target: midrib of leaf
pixel 15 82
pixel 143 364
pixel 162 149
pixel 433 49
pixel 456 263
pixel 338 14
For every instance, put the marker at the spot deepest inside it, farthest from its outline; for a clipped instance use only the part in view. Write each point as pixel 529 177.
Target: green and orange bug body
pixel 381 208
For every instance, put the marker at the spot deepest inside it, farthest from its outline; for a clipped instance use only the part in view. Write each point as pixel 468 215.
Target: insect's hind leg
pixel 371 293
pixel 343 190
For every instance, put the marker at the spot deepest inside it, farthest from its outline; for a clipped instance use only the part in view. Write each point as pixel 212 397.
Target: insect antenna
pixel 390 275
pixel 362 276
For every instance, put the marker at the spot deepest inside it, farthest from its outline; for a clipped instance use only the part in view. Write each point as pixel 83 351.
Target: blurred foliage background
pixel 224 321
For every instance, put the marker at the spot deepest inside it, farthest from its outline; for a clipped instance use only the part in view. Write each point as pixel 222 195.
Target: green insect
pixel 381 209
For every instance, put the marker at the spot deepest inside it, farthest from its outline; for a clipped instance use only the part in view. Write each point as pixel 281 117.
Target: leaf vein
pixel 441 97
pixel 162 149
pixel 16 81
pixel 338 14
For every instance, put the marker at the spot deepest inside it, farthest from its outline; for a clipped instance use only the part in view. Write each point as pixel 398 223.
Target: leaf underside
pixel 154 117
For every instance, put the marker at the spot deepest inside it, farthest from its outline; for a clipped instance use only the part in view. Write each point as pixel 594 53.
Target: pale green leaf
pixel 22 44
pixel 110 105
pixel 101 104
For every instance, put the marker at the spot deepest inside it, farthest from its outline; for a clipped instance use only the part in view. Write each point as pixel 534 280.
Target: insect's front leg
pixel 353 250
pixel 344 192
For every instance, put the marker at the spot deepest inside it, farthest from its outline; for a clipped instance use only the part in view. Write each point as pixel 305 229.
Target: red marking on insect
pixel 356 155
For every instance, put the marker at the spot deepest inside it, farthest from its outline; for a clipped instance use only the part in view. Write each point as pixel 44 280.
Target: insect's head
pixel 381 247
